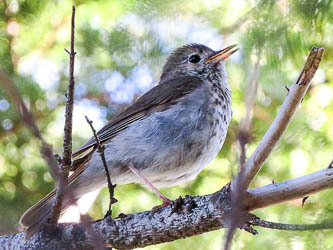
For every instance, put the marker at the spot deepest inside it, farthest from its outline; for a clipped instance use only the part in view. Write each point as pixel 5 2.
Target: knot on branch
pixel 221 199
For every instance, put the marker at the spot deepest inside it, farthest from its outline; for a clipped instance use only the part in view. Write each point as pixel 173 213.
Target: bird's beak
pixel 223 54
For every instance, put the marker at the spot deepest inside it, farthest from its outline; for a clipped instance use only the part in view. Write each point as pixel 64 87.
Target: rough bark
pixel 191 216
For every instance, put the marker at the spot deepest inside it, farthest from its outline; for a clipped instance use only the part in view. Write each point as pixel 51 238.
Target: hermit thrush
pixel 166 137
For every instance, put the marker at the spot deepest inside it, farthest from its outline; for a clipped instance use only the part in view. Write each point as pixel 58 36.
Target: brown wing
pixel 157 99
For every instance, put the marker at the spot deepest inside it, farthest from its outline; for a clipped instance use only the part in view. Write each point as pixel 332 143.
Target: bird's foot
pixel 166 202
pixel 108 214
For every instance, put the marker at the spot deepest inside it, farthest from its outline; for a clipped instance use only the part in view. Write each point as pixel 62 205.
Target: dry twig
pixel 100 149
pixel 291 227
pixel 66 161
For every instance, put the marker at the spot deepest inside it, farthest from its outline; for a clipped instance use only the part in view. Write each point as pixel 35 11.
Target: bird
pixel 165 138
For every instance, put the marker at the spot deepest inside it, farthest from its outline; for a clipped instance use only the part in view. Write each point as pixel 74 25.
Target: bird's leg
pixel 166 201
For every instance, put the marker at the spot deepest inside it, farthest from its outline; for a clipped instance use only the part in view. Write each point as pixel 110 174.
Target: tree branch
pixel 289 190
pixel 254 163
pixel 100 149
pixel 291 227
pixel 279 125
pixel 66 161
pixel 197 215
pixel 67 143
pixel 244 135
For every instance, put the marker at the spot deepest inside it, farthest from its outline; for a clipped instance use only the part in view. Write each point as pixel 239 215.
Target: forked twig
pixel 271 137
pixel 282 120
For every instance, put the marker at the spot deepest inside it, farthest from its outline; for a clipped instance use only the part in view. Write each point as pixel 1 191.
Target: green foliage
pixel 121 48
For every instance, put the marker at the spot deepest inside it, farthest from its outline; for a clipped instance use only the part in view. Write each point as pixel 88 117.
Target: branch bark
pixel 67 143
pixel 289 190
pixel 197 215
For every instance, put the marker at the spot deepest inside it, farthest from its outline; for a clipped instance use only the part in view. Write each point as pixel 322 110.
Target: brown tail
pixel 33 219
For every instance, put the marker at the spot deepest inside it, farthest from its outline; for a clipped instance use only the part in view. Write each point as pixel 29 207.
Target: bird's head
pixel 197 60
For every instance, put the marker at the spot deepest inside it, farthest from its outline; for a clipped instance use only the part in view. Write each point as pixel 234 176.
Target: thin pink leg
pixel 165 200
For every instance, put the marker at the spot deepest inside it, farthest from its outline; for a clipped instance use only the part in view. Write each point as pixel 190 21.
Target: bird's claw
pixel 166 202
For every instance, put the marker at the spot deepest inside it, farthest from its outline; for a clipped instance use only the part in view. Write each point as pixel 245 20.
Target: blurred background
pixel 122 45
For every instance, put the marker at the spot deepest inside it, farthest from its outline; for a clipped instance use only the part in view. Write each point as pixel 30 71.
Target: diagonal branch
pixel 46 149
pixel 244 136
pixel 279 125
pixel 253 165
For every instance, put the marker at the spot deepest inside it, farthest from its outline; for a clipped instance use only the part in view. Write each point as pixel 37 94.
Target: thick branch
pixel 288 190
pixel 197 215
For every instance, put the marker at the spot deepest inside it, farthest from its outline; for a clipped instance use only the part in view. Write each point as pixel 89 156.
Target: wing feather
pixel 158 98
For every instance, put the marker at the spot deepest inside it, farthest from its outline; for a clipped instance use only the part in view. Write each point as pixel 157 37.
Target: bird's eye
pixel 194 58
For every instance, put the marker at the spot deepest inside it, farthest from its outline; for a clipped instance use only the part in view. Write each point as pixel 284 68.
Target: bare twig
pixel 291 227
pixel 100 149
pixel 67 144
pixel 230 235
pixel 66 161
pixel 304 200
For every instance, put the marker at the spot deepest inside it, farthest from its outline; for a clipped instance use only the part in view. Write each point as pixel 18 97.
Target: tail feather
pixel 33 219
pixel 33 214
pixel 36 216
